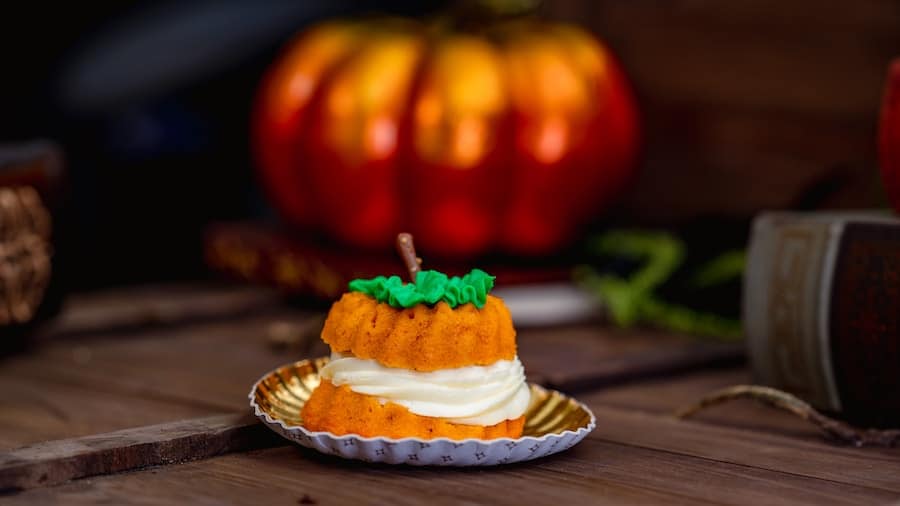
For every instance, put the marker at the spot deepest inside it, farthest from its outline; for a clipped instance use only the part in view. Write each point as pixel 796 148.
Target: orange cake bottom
pixel 340 410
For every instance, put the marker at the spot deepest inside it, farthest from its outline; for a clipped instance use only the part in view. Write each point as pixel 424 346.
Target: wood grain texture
pixel 53 462
pixel 748 103
pixel 139 375
pixel 113 369
pixel 33 411
pixel 120 311
pixel 634 456
pixel 595 471
pixel 775 452
pixel 735 454
pixel 664 395
pixel 208 364
pixel 587 357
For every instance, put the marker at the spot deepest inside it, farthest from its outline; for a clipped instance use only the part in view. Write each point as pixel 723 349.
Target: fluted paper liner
pixel 553 423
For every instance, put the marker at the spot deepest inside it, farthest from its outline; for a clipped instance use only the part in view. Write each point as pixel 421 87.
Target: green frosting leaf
pixel 430 288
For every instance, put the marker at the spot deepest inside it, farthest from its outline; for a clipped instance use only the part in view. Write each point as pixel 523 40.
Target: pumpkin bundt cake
pixel 429 359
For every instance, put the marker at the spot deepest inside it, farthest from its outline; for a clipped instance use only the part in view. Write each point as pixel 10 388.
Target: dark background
pixel 747 105
pixel 150 102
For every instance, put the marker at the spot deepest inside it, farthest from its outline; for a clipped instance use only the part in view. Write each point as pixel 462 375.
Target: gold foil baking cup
pixel 553 423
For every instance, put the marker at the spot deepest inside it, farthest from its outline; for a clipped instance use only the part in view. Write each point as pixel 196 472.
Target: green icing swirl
pixel 430 288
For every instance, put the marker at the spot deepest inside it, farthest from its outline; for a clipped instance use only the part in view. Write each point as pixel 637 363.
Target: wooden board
pixel 587 357
pixel 53 462
pixel 632 457
pixel 79 383
pixel 163 369
pixel 33 411
pixel 118 311
pixel 663 396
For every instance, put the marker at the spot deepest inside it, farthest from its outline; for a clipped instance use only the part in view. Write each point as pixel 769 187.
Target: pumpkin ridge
pixel 434 338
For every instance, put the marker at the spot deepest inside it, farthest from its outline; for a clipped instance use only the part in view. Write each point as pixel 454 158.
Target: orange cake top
pixel 422 337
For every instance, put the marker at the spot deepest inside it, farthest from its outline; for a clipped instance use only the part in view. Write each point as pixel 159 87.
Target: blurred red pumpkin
pixel 506 140
pixel 889 135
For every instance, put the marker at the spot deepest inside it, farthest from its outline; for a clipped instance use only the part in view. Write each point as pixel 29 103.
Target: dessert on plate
pixel 433 358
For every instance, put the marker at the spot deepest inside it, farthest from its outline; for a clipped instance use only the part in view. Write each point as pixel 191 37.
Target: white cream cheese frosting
pixel 474 395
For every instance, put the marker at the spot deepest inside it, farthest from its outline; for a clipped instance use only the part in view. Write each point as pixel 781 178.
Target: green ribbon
pixel 634 300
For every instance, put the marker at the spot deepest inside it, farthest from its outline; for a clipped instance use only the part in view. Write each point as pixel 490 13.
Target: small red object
pixel 889 135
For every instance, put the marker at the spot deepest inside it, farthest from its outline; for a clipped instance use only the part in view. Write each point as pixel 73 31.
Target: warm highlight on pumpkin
pixel 340 410
pixel 507 136
pixel 421 338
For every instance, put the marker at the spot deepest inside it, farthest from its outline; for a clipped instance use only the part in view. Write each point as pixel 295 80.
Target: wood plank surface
pixel 208 364
pixel 205 368
pixel 664 395
pixel 33 411
pixel 644 457
pixel 53 462
pixel 587 357
pixel 80 383
pixel 836 463
pixel 117 311
pixel 157 371
pixel 599 469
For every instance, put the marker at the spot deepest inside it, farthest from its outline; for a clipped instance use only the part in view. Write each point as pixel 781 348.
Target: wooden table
pixel 152 382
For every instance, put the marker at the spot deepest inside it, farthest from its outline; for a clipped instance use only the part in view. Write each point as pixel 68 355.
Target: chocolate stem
pixel 408 253
pixel 787 402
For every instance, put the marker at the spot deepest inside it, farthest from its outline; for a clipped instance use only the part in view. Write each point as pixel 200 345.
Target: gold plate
pixel 553 422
